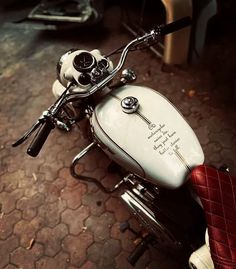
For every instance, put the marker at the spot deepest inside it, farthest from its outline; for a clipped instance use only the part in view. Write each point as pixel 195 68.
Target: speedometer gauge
pixel 84 62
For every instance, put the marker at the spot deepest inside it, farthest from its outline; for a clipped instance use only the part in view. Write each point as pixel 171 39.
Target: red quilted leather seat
pixel 217 191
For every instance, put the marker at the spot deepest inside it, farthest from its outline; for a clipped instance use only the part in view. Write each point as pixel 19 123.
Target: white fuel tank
pixel 154 142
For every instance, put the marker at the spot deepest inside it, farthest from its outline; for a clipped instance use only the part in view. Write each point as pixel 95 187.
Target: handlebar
pixel 44 125
pixel 175 26
pixel 40 138
pixel 46 122
pixel 154 34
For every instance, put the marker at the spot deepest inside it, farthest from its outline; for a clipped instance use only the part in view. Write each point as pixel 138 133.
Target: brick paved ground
pixel 47 219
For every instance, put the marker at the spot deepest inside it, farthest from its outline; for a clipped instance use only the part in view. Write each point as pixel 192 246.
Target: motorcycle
pixel 154 150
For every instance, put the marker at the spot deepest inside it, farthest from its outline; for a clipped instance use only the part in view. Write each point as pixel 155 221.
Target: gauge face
pixel 84 62
pixel 103 64
pixel 84 79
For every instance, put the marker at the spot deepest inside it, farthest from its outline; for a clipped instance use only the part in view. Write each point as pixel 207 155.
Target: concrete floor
pixel 47 219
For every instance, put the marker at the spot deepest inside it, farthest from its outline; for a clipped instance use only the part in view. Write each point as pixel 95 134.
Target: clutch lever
pixel 33 128
pixel 43 119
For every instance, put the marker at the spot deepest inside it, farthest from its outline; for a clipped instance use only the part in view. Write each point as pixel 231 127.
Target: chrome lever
pixel 128 75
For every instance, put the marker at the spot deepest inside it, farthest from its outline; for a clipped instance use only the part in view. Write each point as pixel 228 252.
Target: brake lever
pixel 33 128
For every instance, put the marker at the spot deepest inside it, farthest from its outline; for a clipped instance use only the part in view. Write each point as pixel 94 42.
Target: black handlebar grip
pixel 176 25
pixel 40 138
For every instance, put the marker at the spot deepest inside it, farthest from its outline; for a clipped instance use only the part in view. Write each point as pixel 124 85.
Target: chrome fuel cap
pixel 129 104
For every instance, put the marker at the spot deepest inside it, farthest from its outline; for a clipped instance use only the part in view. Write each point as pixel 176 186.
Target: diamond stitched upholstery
pixel 217 191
